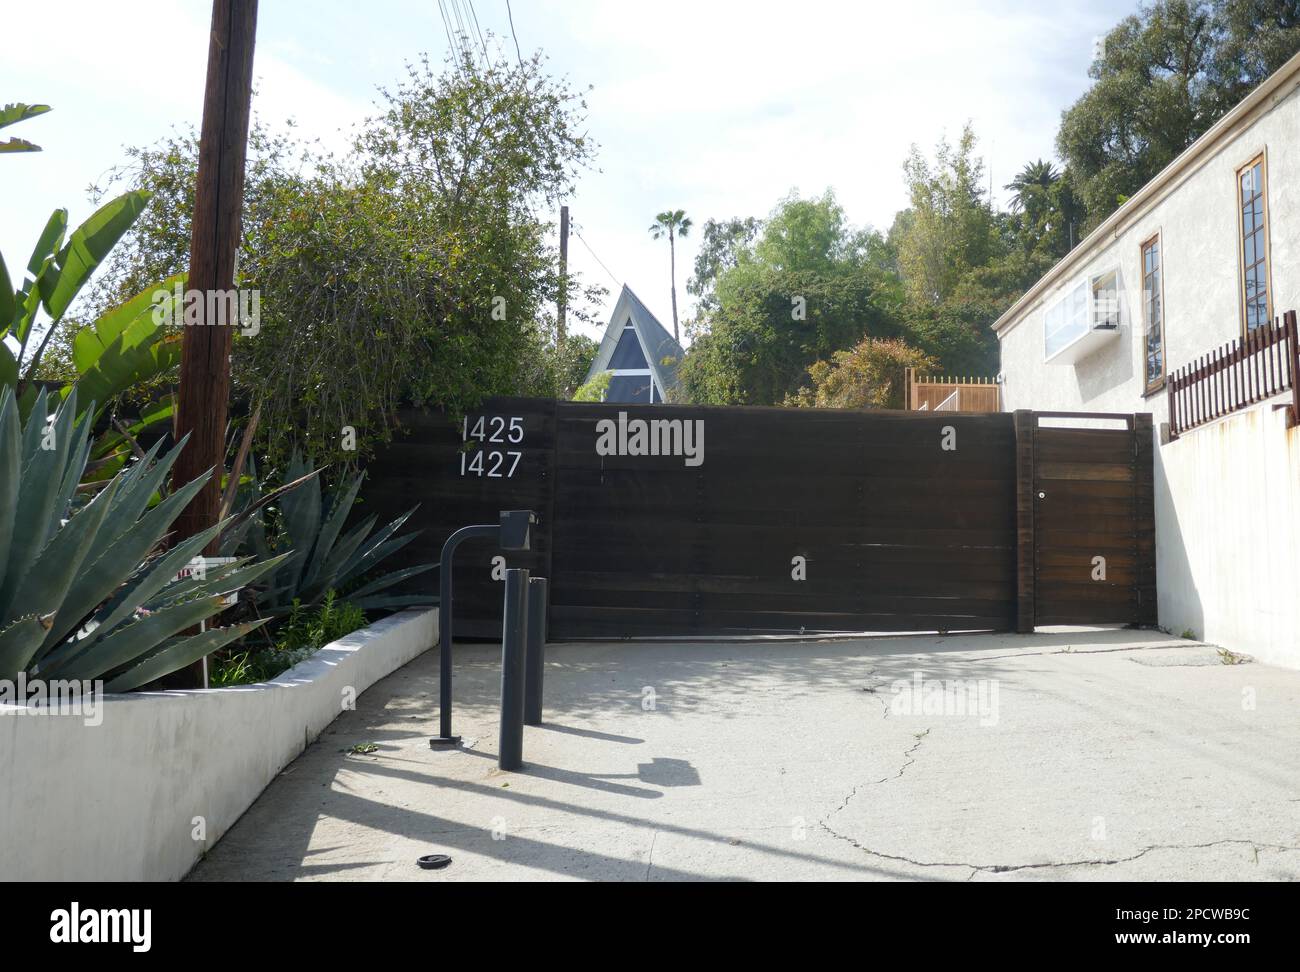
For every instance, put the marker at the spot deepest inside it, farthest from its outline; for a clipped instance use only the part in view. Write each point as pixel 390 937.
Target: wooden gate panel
pixel 1093 531
pixel 877 509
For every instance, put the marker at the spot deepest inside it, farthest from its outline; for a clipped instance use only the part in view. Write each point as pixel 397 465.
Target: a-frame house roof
pixel 634 350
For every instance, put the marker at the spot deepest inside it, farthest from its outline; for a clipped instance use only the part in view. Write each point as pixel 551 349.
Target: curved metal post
pixel 487 531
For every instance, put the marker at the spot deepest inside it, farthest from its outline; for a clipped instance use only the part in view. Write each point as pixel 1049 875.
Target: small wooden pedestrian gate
pixel 1086 497
pixel 677 520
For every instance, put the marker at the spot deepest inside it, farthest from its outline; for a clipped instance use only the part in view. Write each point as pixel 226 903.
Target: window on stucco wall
pixel 1252 197
pixel 1153 313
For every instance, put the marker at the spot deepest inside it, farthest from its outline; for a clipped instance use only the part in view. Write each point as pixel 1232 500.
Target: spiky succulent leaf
pixel 19 641
pixel 10 466
pixel 177 653
pixel 340 506
pixel 388 580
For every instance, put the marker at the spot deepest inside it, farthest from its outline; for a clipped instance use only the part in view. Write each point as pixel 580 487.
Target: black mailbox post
pixel 513 532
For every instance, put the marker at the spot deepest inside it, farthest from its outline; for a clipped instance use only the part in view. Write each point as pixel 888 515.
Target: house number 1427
pixel 488 430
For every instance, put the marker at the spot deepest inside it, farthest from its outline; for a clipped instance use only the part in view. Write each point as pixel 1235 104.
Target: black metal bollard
pixel 535 659
pixel 513 643
pixel 445 608
pixel 513 531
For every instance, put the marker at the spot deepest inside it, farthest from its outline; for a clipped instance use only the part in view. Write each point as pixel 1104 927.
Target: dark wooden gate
pixel 791 519
pixel 795 519
pixel 1092 543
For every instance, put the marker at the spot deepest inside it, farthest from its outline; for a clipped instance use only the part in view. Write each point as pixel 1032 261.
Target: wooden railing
pixel 1239 374
pixel 951 394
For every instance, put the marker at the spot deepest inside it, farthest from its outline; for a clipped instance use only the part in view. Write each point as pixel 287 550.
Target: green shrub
pixel 301 635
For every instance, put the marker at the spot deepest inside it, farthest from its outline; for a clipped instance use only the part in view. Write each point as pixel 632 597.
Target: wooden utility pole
pixel 563 303
pixel 214 242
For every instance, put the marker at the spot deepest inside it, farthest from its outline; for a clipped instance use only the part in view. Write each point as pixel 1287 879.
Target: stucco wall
pixel 117 801
pixel 1228 535
pixel 1228 495
pixel 1197 223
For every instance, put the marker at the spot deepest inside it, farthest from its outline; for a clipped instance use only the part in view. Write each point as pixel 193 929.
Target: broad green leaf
pixel 91 342
pixel 7 305
pixel 86 247
pixel 8 367
pixel 27 304
pixel 48 244
pixel 18 111
pixel 17 145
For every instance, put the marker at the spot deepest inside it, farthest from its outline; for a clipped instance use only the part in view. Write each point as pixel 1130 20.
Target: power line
pixel 511 15
pixel 457 37
pixel 574 231
pixel 453 45
pixel 482 43
pixel 460 24
pixel 446 24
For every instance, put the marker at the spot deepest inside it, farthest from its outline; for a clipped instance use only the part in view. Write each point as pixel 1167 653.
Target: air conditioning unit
pixel 1088 314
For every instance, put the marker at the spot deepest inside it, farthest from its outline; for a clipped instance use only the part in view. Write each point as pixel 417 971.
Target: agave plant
pixel 319 556
pixel 86 591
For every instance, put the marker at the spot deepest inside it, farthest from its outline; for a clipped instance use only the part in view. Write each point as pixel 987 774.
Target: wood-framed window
pixel 1153 314
pixel 1252 214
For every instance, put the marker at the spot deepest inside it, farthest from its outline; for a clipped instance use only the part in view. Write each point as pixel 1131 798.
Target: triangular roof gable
pixel 656 340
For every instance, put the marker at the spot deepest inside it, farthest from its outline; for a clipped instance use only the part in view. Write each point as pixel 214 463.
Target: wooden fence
pixel 1241 373
pixel 770 520
pixel 930 394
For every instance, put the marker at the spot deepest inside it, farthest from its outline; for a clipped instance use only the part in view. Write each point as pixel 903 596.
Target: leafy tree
pixel 721 244
pixel 950 226
pixel 674 224
pixel 1166 74
pixel 1256 37
pixel 551 372
pixel 414 271
pixel 809 285
pixel 772 326
pixel 871 374
pixel 1031 184
pixel 594 390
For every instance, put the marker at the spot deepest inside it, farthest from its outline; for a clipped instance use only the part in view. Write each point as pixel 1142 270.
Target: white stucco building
pixel 1206 254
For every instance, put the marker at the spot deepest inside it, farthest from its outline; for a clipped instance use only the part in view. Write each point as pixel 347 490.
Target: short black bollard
pixel 535 659
pixel 513 642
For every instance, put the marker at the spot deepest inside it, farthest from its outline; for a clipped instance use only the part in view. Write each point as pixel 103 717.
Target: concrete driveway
pixel 1065 755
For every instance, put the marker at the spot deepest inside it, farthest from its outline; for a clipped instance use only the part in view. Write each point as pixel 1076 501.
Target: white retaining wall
pixel 118 801
pixel 1228 534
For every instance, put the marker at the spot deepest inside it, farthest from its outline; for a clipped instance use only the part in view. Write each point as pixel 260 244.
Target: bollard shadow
pixel 590 734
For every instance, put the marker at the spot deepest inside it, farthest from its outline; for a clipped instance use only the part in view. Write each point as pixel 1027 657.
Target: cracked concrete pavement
pixel 1071 754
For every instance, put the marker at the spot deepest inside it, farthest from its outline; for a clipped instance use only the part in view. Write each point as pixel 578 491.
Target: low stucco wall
pixel 118 801
pixel 1228 535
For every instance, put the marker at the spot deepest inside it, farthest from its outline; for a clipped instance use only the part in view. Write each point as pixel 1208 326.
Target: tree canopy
pixel 414 271
pixel 1165 75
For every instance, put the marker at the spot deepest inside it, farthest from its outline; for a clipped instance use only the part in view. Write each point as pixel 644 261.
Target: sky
pixel 719 108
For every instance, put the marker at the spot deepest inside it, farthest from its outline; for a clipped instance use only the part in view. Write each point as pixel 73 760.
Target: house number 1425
pixel 492 429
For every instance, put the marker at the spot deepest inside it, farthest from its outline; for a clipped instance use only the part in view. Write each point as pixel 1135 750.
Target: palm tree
pixel 672 224
pixel 1035 176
